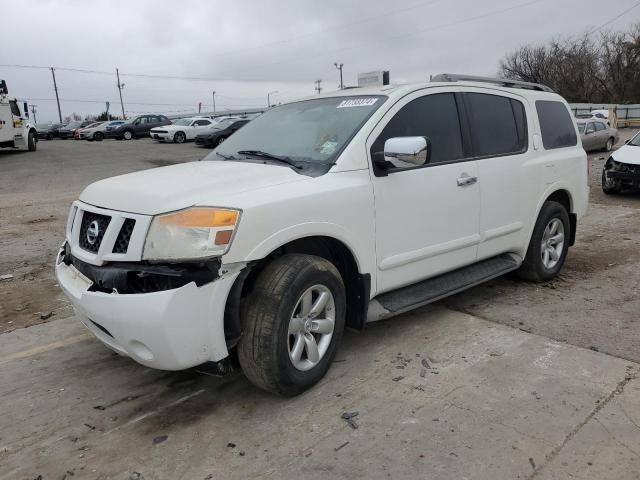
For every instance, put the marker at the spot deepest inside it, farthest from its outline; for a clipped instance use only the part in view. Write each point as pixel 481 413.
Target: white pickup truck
pixel 332 211
pixel 15 129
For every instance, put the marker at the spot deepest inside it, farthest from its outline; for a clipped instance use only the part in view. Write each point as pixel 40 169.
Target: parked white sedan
pixel 181 130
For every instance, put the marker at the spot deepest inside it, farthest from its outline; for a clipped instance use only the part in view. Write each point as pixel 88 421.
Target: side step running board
pixel 428 291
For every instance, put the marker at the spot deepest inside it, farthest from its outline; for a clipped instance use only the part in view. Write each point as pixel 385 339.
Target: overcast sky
pixel 245 49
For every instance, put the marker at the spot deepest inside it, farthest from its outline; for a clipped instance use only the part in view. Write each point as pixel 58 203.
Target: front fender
pixel 310 229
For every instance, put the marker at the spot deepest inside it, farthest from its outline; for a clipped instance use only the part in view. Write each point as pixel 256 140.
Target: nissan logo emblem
pixel 93 232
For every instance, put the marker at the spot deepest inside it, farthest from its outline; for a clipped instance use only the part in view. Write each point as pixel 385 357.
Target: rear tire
pixel 32 142
pixel 548 245
pixel 285 348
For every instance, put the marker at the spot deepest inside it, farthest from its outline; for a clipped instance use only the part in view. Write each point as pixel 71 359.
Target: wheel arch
pixel 357 284
pixel 562 195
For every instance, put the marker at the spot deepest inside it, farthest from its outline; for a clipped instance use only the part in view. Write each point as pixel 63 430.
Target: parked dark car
pixel 69 130
pixel 49 130
pixel 138 127
pixel 220 132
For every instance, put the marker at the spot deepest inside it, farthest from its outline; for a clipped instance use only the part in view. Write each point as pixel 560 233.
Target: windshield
pixel 309 131
pixel 183 121
pixel 635 141
pixel 581 127
pixel 224 123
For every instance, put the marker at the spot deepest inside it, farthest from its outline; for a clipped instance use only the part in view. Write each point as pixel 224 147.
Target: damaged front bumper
pixel 169 317
pixel 622 174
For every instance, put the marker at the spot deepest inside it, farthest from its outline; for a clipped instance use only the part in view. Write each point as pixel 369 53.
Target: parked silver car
pixel 597 135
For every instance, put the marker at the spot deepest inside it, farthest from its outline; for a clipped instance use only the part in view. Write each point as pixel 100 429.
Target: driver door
pixel 427 217
pixel 589 141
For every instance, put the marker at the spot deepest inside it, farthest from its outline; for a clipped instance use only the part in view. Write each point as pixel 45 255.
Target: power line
pixel 289 59
pixel 608 22
pixel 77 100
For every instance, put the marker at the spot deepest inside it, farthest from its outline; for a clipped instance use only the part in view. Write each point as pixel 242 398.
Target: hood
pixel 165 189
pixel 627 154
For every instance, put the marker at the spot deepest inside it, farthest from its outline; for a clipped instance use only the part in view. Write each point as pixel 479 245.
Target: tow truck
pixel 16 131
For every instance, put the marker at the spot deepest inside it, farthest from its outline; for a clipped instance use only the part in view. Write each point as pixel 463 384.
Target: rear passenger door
pixel 500 138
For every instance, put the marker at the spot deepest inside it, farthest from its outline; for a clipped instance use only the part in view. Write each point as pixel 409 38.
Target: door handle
pixel 464 180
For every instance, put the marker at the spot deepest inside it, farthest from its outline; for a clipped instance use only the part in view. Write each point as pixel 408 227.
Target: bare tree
pixel 604 69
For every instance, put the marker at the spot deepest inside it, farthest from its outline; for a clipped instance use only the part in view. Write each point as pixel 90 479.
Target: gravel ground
pixel 593 304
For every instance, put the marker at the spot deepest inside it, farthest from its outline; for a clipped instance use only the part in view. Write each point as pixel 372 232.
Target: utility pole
pixel 120 87
pixel 339 67
pixel 213 95
pixel 55 87
pixel 33 111
pixel 318 87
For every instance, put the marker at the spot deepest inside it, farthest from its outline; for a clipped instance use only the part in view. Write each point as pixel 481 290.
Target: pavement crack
pixel 629 376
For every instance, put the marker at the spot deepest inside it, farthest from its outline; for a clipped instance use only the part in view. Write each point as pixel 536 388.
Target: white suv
pixel 328 212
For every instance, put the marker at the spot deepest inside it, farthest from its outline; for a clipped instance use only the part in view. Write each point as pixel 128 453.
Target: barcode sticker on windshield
pixel 357 102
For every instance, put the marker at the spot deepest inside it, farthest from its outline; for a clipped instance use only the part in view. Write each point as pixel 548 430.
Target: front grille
pixel 85 239
pixel 122 242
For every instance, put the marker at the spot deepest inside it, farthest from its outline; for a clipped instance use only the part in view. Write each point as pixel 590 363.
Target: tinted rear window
pixel 556 125
pixel 498 124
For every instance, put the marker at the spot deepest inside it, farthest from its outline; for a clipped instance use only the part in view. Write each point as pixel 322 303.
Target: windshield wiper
pixel 226 157
pixel 269 156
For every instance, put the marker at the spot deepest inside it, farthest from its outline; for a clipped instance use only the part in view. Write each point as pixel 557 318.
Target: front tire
pixel 220 141
pixel 548 245
pixel 610 186
pixel 179 137
pixel 127 135
pixel 292 324
pixel 32 142
pixel 98 136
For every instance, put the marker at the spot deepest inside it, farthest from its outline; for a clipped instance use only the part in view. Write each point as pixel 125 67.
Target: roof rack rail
pixel 505 82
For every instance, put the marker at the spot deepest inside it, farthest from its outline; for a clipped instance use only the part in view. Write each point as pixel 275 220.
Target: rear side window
pixel 498 124
pixel 433 116
pixel 556 125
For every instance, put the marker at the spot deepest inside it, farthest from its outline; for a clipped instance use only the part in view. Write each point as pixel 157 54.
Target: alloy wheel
pixel 311 327
pixel 552 243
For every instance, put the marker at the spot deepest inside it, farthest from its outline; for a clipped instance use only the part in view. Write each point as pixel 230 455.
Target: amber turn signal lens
pixel 223 237
pixel 201 217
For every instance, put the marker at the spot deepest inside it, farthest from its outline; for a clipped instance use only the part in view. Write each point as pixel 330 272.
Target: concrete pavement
pixel 439 395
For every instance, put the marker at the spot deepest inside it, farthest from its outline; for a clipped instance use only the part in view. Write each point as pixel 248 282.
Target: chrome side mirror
pixel 404 152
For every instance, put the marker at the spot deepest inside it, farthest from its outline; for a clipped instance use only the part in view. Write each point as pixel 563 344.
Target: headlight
pixel 196 232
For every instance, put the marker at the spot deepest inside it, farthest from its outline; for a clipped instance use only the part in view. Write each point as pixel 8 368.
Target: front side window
pixel 600 126
pixel 556 125
pixel 310 131
pixel 498 124
pixel 433 116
